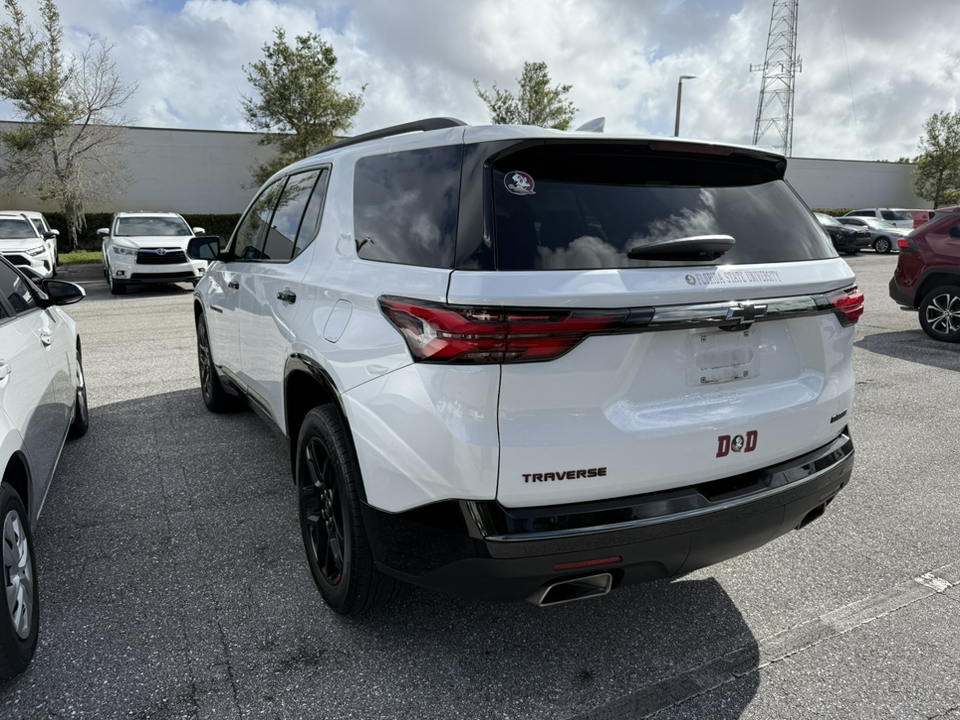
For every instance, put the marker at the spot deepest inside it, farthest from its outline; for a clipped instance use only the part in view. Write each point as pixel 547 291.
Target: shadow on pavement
pixel 913 346
pixel 173 585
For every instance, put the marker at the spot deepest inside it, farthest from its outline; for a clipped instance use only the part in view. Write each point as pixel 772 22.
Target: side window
pixel 14 289
pixel 282 233
pixel 250 231
pixel 405 206
pixel 863 213
pixel 311 218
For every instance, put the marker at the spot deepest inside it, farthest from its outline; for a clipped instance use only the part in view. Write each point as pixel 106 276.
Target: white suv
pixel 148 247
pixel 27 247
pixel 898 218
pixel 521 363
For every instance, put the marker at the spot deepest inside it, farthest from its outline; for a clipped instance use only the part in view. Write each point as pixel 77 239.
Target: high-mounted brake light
pixel 849 305
pixel 436 332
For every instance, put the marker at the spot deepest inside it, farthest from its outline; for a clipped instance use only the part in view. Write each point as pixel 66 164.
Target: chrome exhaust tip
pixel 564 591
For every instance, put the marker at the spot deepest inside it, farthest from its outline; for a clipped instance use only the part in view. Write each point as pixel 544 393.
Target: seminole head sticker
pixel 519 183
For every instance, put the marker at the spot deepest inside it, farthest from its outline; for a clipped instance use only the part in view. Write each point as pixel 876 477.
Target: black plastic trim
pixel 448 545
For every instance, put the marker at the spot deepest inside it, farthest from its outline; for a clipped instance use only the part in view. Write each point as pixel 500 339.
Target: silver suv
pixel 521 363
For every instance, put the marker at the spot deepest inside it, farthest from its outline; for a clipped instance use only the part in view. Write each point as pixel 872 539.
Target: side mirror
pixel 63 293
pixel 199 231
pixel 206 247
pixel 50 235
pixel 103 231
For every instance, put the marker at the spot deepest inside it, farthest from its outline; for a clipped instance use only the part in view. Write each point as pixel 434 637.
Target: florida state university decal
pixel 737 443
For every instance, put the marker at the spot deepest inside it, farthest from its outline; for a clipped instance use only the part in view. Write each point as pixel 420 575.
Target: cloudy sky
pixel 873 70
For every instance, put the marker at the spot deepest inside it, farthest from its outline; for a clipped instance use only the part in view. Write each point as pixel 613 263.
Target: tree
pixel 538 103
pixel 68 148
pixel 937 175
pixel 300 108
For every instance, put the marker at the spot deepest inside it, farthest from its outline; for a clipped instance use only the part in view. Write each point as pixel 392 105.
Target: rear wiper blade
pixel 696 247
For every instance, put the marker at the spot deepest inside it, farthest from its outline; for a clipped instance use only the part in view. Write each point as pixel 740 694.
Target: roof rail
pixel 437 123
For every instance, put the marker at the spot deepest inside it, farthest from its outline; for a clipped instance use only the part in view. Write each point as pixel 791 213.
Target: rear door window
pixel 406 206
pixel 580 207
pixel 281 234
pixel 250 231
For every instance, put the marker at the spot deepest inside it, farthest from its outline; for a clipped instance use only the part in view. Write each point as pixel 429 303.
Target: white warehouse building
pixel 205 171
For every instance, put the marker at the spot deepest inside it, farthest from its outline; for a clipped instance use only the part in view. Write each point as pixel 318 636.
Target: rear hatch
pixel 625 372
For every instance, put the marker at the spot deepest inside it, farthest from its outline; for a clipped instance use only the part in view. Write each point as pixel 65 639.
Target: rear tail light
pixel 849 305
pixel 436 332
pixel 905 243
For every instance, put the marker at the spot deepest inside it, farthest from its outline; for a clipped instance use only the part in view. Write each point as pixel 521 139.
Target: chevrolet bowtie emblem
pixel 744 314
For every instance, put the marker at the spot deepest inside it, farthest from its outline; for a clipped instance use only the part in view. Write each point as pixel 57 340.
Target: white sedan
pixel 43 401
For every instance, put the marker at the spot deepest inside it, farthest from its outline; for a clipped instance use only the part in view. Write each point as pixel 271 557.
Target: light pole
pixel 676 128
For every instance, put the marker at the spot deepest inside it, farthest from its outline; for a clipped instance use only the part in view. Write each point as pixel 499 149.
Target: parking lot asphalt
pixel 173 582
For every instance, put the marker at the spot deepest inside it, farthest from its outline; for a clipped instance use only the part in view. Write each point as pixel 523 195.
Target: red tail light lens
pixel 436 332
pixel 849 305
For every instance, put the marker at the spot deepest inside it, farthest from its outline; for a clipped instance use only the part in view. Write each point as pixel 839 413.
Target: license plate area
pixel 720 357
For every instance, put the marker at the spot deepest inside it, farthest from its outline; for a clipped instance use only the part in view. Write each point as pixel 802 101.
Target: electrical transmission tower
pixel 780 66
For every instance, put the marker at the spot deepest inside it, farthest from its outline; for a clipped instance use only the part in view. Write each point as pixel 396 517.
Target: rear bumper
pixel 898 295
pixel 485 551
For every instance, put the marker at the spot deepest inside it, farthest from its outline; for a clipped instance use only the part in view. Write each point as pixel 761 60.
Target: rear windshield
pixel 16 229
pixel 585 207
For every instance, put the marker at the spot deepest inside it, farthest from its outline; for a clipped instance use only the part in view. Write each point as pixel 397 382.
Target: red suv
pixel 928 274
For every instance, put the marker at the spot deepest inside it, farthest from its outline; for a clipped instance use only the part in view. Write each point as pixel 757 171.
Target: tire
pixel 339 555
pixel 215 397
pixel 882 244
pixel 116 288
pixel 81 412
pixel 940 313
pixel 19 607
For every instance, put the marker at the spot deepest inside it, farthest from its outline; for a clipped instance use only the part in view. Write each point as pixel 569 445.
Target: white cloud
pixel 864 92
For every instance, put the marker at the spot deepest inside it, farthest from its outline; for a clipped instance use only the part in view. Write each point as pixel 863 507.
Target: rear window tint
pixel 579 208
pixel 405 206
pixel 896 215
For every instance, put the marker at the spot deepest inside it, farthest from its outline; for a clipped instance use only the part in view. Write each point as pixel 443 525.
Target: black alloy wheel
pixel 334 539
pixel 215 397
pixel 19 610
pixel 940 313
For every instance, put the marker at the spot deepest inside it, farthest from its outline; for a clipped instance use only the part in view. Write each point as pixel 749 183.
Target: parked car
pixel 50 235
pixel 883 235
pixel 148 247
pixel 43 401
pixel 514 363
pixel 895 216
pixel 22 245
pixel 927 276
pixel 845 239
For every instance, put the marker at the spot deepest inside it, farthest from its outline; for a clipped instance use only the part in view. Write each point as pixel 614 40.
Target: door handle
pixel 5 370
pixel 287 296
pixel 234 285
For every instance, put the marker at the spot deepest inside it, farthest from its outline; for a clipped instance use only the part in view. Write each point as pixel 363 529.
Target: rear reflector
pixel 436 332
pixel 849 305
pixel 586 563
